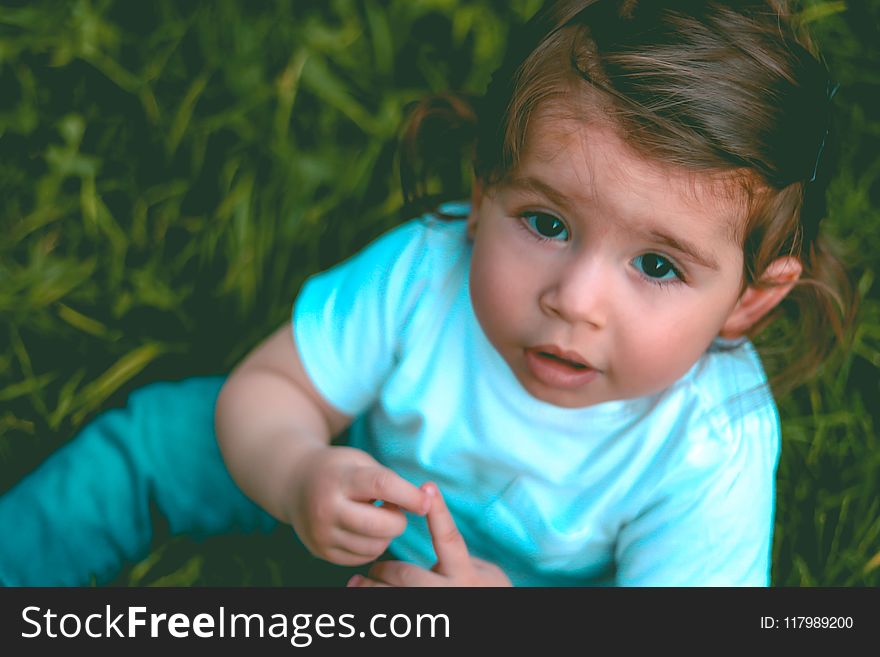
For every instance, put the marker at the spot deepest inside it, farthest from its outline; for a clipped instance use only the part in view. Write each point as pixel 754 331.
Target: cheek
pixel 496 291
pixel 667 347
pixel 651 366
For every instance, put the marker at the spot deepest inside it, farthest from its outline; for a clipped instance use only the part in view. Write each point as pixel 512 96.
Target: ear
pixel 476 200
pixel 776 282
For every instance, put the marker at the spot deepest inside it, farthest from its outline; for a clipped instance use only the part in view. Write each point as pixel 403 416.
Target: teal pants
pixel 91 507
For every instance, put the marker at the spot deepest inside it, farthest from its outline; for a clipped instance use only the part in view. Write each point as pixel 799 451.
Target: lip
pixel 554 371
pixel 564 354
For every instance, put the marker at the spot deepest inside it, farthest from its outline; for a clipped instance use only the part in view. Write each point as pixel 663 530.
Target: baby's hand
pixel 333 510
pixel 454 567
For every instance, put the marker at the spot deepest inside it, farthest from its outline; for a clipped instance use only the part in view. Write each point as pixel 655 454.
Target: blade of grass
pixel 185 111
pixel 132 363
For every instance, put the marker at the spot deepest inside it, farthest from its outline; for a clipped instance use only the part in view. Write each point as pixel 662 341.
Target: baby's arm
pixel 274 430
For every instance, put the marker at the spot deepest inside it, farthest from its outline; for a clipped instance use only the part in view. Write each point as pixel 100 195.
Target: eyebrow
pixel 538 186
pixel 689 249
pixel 683 246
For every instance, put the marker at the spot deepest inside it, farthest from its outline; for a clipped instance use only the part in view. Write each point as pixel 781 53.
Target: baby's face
pixel 598 275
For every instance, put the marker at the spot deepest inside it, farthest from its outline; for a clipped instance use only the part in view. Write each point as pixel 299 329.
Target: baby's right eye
pixel 546 226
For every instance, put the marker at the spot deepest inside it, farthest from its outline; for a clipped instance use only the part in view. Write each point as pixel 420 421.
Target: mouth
pixel 558 368
pixel 571 359
pixel 565 361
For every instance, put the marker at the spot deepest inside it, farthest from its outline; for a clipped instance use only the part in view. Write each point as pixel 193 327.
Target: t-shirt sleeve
pixel 347 320
pixel 710 521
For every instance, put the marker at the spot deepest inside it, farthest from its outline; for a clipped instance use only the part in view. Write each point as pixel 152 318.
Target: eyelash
pixel 659 282
pixel 523 223
pixel 666 282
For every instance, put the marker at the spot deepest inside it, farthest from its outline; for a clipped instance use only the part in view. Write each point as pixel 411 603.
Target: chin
pixel 560 398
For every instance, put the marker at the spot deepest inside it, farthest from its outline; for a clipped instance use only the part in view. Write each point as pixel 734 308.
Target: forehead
pixel 587 162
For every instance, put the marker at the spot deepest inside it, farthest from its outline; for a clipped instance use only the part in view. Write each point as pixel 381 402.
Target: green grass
pixel 170 172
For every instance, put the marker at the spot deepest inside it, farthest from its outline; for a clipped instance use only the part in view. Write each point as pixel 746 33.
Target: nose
pixel 579 293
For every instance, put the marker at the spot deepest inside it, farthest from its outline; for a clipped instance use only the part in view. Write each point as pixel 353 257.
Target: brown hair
pixel 727 88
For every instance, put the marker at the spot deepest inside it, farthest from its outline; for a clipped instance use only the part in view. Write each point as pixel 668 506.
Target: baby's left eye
pixel 546 226
pixel 656 267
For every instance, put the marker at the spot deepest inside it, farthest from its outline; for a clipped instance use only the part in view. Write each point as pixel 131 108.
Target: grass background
pixel 170 172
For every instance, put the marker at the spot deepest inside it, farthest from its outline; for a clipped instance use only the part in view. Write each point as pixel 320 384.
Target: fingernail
pixel 430 491
pixel 355 580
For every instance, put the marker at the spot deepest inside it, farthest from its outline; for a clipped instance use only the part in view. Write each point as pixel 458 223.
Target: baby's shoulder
pixel 429 239
pixel 728 424
pixel 730 396
pixel 432 251
pixel 445 231
pixel 407 255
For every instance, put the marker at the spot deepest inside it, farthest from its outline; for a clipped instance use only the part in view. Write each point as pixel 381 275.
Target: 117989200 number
pixel 807 622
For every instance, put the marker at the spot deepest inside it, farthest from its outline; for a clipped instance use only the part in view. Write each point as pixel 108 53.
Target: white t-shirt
pixel 672 489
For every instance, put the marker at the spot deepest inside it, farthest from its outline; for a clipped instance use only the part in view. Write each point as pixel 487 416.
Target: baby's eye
pixel 656 267
pixel 546 226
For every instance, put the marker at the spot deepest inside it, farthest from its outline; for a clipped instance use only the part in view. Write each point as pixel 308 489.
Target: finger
pixel 342 557
pixel 452 553
pixel 380 483
pixel 400 573
pixel 359 581
pixel 482 566
pixel 359 546
pixel 386 521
